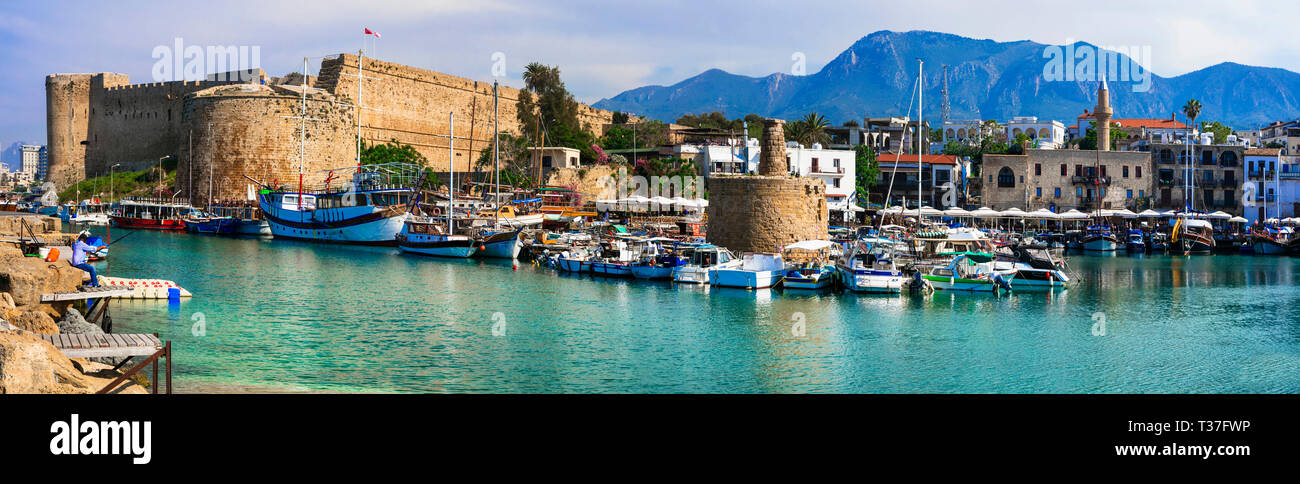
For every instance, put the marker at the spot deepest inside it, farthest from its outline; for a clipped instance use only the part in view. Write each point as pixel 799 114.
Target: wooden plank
pixel 109 352
pixel 62 341
pixel 153 340
pixel 137 340
pixel 81 342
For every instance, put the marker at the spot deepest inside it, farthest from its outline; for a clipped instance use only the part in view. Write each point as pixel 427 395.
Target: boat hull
pixel 253 227
pixel 437 245
pixel 691 275
pixel 871 282
pixel 1100 244
pixel 504 245
pixel 820 280
pixel 745 279
pixel 148 223
pixel 610 269
pixel 652 272
pixel 216 226
pixel 574 266
pixel 347 225
pixel 1268 247
pixel 949 283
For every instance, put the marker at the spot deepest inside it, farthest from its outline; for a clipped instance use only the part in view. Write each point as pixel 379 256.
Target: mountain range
pixel 986 80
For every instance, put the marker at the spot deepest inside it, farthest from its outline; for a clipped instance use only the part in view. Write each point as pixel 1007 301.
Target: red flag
pixel 371 32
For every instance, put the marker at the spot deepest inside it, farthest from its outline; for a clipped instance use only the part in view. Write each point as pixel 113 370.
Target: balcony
pixel 1090 180
pixel 826 170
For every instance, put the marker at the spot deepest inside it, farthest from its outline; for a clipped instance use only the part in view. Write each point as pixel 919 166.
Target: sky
pixel 601 47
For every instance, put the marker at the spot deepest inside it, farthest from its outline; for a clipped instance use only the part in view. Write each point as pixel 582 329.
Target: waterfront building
pixel 1061 180
pixel 552 157
pixel 934 172
pixel 1281 134
pixel 834 167
pixel 43 168
pixel 31 159
pixel 1216 174
pixel 720 157
pixel 969 131
pixel 893 134
pixel 1046 135
pixel 1273 182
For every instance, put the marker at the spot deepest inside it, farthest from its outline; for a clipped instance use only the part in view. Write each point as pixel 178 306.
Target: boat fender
pixel 435 211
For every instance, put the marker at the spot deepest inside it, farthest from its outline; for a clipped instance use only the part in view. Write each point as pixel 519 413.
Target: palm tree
pixel 1192 109
pixel 815 126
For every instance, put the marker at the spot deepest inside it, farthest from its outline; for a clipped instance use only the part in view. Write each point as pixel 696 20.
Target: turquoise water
pixel 302 316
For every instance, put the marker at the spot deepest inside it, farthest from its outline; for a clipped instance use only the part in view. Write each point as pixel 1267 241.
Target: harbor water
pixel 275 315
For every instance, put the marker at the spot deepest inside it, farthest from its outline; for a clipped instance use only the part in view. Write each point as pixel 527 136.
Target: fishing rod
pixel 119 239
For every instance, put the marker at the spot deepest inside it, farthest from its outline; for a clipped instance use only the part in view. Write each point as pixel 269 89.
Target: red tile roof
pixel 929 159
pixel 1152 123
pixel 1263 152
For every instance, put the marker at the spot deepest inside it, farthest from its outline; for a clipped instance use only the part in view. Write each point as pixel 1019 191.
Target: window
pixel 990 178
pixel 1078 191
pixel 1038 169
pixel 1063 169
pixel 1128 194
pixel 1078 170
pixel 1125 173
pixel 1137 172
pixel 1103 192
pixel 1103 170
pixel 1006 178
pixel 835 182
pixel 1058 191
pixel 546 160
pixel 1038 192
pixel 1142 193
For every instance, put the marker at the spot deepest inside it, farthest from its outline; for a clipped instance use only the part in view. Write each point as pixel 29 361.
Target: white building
pixel 723 158
pixel 834 167
pixel 1047 135
pixel 31 159
pixel 1276 184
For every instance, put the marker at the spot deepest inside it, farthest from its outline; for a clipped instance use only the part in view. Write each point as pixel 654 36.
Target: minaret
pixel 1102 114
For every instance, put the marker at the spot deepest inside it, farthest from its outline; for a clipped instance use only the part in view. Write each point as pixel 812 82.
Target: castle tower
pixel 67 108
pixel 1102 113
pixel 771 158
pixel 764 212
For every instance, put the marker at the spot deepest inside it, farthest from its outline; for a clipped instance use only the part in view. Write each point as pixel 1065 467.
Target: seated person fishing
pixel 79 251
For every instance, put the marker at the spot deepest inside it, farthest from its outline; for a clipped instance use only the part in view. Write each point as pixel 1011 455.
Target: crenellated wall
pixel 97 120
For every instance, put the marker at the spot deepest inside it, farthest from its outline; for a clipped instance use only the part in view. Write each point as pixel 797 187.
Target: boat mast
pixel 920 121
pixel 496 161
pixel 209 169
pixel 302 133
pixel 361 60
pixel 451 168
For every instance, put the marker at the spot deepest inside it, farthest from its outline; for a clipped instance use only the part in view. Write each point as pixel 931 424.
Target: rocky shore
pixel 29 364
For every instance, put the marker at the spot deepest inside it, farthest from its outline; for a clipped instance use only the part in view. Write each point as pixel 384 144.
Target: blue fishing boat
pixel 371 210
pixel 1136 242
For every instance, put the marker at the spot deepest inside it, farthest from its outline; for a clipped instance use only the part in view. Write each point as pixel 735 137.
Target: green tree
pixel 1220 131
pixel 1089 141
pixel 516 160
pixel 619 117
pixel 866 172
pixel 545 105
pixel 391 152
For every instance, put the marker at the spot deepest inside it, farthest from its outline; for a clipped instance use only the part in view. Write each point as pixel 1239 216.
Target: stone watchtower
pixel 771 158
pixel 765 212
pixel 1102 113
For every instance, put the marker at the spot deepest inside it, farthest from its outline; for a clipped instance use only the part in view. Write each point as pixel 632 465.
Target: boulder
pixel 75 323
pixel 29 364
pixel 36 321
pixel 26 278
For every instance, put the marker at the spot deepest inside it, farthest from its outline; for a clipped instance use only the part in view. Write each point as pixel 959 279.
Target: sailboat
pixel 868 266
pixel 371 211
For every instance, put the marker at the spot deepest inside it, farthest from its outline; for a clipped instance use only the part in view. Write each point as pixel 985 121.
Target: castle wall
pixel 97 120
pixel 249 130
pixel 411 105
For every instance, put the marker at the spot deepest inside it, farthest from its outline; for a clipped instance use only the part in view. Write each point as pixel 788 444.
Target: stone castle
pixel 237 129
pixel 765 212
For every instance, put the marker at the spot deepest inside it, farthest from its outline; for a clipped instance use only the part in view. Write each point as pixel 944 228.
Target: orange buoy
pixel 53 255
